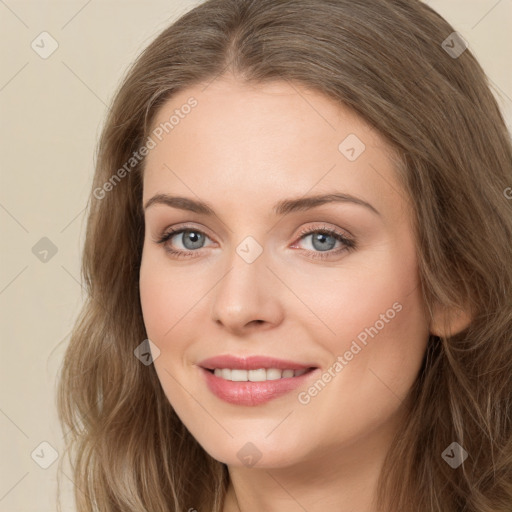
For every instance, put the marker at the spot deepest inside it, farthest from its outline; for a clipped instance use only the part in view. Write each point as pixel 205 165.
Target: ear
pixel 447 322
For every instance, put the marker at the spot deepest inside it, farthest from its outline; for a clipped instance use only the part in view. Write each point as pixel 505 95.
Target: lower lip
pixel 252 393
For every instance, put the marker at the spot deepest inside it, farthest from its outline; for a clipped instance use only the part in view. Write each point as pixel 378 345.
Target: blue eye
pixel 324 240
pixel 192 239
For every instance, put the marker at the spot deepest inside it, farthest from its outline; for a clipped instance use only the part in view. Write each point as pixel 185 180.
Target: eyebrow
pixel 281 208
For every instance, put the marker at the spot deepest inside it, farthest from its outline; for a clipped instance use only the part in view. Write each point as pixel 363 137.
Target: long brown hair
pixel 388 60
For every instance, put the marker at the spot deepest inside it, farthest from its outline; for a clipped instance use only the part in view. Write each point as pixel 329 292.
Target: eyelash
pixel 348 243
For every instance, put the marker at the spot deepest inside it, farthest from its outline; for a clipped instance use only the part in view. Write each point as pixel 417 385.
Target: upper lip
pixel 251 363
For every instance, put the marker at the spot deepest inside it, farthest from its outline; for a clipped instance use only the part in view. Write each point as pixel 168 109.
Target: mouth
pixel 253 380
pixel 258 375
pixel 255 362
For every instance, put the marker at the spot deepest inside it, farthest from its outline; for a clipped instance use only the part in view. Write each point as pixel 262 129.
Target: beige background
pixel 51 113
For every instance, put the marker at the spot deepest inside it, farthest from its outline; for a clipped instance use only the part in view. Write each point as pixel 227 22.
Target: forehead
pixel 264 141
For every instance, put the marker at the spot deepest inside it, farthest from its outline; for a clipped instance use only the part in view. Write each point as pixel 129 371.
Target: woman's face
pixel 257 275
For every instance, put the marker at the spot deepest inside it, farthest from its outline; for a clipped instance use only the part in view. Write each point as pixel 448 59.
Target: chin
pixel 260 453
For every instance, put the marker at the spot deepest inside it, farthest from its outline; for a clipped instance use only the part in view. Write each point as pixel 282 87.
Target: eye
pixel 191 239
pixel 323 241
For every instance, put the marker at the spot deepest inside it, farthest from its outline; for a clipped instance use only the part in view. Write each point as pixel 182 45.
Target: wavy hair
pixel 385 60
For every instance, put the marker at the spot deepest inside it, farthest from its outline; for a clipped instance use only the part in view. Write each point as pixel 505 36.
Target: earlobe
pixel 447 322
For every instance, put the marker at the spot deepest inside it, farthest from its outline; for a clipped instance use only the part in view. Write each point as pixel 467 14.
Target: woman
pixel 254 150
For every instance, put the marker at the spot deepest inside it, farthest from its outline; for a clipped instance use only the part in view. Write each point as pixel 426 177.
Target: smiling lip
pixel 251 363
pixel 252 393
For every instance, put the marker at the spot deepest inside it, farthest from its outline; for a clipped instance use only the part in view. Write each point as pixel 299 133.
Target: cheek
pixel 382 330
pixel 167 295
pixel 154 299
pixel 376 319
pixel 165 301
pixel 381 362
pixel 379 289
pixel 381 334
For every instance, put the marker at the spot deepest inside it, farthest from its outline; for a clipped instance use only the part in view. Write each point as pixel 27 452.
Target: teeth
pixel 259 375
pixel 274 374
pixel 238 375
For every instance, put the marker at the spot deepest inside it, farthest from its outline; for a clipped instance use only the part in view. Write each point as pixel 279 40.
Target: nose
pixel 247 297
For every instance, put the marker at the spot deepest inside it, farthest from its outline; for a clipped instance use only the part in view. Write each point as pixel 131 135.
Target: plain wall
pixel 51 113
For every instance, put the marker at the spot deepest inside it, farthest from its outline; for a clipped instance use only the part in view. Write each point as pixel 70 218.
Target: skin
pixel 243 149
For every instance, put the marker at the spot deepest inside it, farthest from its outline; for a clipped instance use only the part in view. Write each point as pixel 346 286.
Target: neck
pixel 343 478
